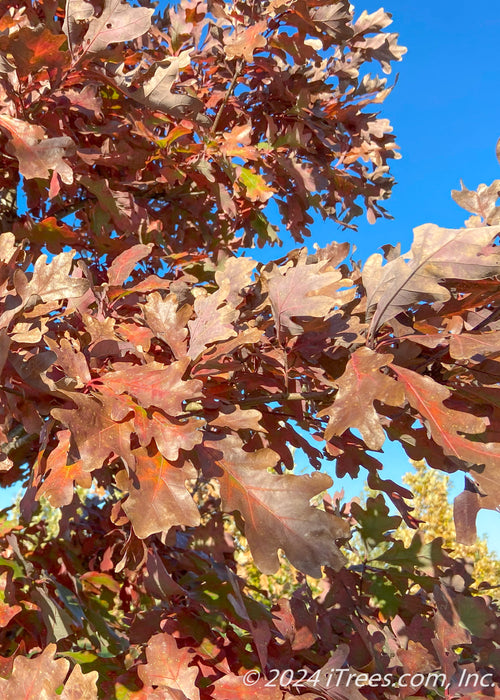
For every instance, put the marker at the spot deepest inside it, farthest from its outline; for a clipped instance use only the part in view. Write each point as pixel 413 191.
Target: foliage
pixel 431 506
pixel 142 357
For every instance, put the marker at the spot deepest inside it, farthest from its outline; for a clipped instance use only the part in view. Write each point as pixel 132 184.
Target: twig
pixel 17 438
pixel 196 407
pixel 228 94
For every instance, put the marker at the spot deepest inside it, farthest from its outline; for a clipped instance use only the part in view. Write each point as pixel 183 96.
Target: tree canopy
pixel 145 358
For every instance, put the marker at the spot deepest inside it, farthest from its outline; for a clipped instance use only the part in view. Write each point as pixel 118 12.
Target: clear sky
pixel 445 113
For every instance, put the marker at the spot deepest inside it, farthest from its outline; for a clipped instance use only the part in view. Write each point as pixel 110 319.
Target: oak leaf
pixel 155 384
pixel 122 266
pixel 167 321
pixel 170 434
pixel 156 92
pixel 80 686
pixel 117 22
pixel 168 668
pixel 276 510
pixel 464 346
pixel 361 384
pixel 36 48
pixel 436 254
pixel 232 687
pixel 58 485
pixel 42 676
pixel 296 293
pixel 244 42
pixel 158 498
pixel 94 432
pixel 50 281
pixel 213 321
pixel 448 427
pixel 36 154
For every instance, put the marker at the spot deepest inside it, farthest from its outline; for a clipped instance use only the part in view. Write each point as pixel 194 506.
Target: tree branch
pixel 194 407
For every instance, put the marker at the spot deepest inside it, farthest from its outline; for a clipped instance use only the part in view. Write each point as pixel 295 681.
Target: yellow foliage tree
pixel 431 504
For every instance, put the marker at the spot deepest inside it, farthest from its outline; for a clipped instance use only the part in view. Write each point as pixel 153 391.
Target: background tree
pixel 143 358
pixel 431 506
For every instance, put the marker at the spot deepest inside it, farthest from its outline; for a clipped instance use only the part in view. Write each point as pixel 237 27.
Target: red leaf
pixel 94 432
pixel 361 384
pixel 36 154
pixel 158 498
pixel 155 384
pixel 231 687
pixel 58 485
pixel 168 668
pixel 276 509
pixel 122 266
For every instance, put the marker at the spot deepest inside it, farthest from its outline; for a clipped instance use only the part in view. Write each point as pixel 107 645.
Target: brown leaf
pixel 155 384
pixel 35 678
pixel 238 272
pixel 170 434
pixel 213 321
pixel 447 426
pixel 36 154
pixel 94 432
pixel 80 686
pixel 167 321
pixel 244 42
pixel 58 485
pixel 236 418
pixel 435 255
pixel 361 384
pixel 167 668
pixel 466 506
pixel 481 202
pixel 276 509
pixel 77 12
pixel 158 498
pixel 296 293
pixel 232 687
pixel 156 92
pixel 464 346
pixel 122 266
pixel 50 281
pixel 117 22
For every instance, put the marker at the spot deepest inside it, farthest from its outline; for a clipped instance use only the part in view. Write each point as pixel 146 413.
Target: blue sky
pixel 444 111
